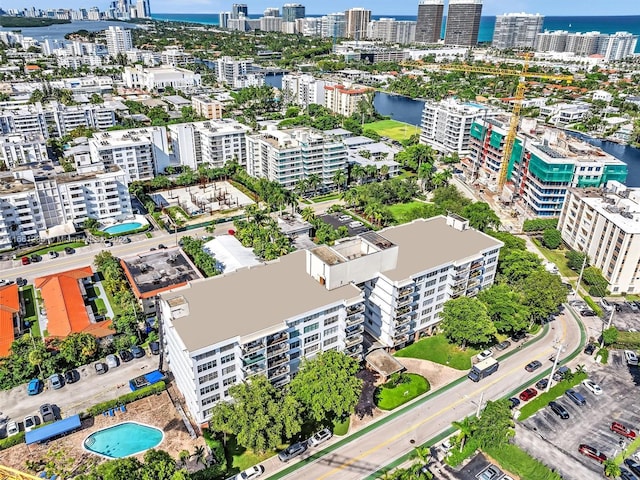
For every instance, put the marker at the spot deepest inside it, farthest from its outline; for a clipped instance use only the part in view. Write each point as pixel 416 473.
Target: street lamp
pixel 613 310
pixel 555 365
pixel 479 404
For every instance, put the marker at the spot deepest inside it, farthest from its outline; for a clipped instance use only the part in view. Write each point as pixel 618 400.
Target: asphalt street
pixel 360 458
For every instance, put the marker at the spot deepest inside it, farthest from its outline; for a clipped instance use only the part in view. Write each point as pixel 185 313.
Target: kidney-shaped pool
pixel 122 440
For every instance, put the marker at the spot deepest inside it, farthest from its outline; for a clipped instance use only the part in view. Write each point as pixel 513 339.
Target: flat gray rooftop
pixel 250 300
pixel 426 244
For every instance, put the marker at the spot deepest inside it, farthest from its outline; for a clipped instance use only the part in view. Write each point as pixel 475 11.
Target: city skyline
pixel 490 7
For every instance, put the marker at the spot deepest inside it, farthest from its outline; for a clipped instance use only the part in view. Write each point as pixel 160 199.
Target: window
pixel 208 354
pixel 229 369
pixel 229 381
pixel 330 341
pixel 209 388
pixel 430 292
pixel 441 288
pixel 208 377
pixel 330 321
pixel 311 349
pixel 207 366
pixel 311 328
pixel 295 344
pixel 439 297
pixel 209 401
pixel 430 283
pixel 227 359
pixel 313 338
pixel 330 331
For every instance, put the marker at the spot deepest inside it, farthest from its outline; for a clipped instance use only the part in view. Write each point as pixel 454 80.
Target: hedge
pixel 603 353
pixel 539 225
pixel 126 398
pixel 12 441
pixel 628 341
pixel 554 392
pixel 515 460
pixel 593 306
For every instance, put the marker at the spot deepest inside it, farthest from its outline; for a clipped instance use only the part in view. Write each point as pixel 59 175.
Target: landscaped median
pixel 554 392
pixel 514 460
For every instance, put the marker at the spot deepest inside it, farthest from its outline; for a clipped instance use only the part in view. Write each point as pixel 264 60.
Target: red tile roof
pixel 9 306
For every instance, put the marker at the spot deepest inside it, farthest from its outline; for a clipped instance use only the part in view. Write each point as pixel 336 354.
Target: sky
pixel 379 7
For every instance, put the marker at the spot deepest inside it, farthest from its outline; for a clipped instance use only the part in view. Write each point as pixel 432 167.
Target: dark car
pixel 587 313
pixel 161 246
pixel 627 475
pixel 559 410
pixel 589 349
pixel 516 337
pixel 69 250
pixel 21 282
pixel 503 345
pixel 138 352
pixel 101 368
pixel 542 384
pixel 533 366
pixel 155 348
pixel 633 466
pixel 594 453
pixel 35 258
pixel 292 451
pixel 528 394
pixel 513 402
pixel 47 414
pixel 125 355
pixel 71 376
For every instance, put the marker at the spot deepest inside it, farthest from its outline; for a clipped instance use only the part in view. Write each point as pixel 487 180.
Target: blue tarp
pixel 53 430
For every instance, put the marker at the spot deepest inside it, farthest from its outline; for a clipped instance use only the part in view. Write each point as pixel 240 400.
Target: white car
pixel 631 357
pixel 12 429
pixel 606 305
pixel 484 355
pixel 29 423
pixel 320 437
pixel 592 386
pixel 250 473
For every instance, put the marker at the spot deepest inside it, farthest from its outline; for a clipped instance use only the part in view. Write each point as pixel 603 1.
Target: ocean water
pixel 571 24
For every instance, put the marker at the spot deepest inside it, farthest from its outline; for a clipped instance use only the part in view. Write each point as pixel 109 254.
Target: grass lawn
pixel 115 306
pixel 341 428
pixel 557 257
pixel 554 392
pixel 516 461
pixel 327 197
pixel 59 248
pixel 239 458
pixel 390 398
pixel 98 305
pixel 402 211
pixel 438 349
pixel 392 129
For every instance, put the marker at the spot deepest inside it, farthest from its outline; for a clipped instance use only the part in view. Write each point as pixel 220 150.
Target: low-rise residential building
pixel 20 149
pixel 562 114
pixel 544 164
pixel 344 100
pixel 141 153
pixel 159 78
pixel 383 282
pixel 288 156
pixel 176 57
pixel 303 89
pixel 11 311
pixel 211 143
pixel 238 73
pixel 206 107
pixel 604 223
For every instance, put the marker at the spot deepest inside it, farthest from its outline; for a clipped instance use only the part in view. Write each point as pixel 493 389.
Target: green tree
pixel 327 386
pixel 481 216
pixel 575 260
pixel 78 348
pixel 495 426
pixel 158 465
pixel 457 326
pixel 161 182
pixel 610 336
pixel 542 293
pixel 504 308
pixel 551 238
pixel 519 264
pixel 611 468
pixel 260 415
pixel 465 428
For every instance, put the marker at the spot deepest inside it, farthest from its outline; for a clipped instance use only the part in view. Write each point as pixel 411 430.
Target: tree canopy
pixel 465 321
pixel 504 308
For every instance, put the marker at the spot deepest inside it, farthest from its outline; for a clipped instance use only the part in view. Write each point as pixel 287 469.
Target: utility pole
pixel 479 404
pixel 613 310
pixel 555 365
pixel 584 263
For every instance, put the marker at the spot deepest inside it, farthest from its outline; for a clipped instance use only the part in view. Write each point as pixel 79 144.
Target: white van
pixel 632 358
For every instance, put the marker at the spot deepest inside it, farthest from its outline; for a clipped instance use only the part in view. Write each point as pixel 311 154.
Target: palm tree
pixel 371 171
pixel 357 173
pixel 383 173
pixel 302 186
pixel 199 454
pixel 425 174
pixel 466 427
pixel 314 182
pixel 339 178
pixel 308 215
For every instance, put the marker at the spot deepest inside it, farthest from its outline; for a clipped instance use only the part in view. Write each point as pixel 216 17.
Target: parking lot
pixel 555 441
pixel 626 317
pixel 337 220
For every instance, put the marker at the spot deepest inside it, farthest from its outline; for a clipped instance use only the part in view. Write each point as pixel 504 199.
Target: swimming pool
pixel 123 440
pixel 122 228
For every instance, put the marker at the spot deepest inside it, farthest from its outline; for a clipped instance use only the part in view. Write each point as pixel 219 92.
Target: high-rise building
pixel 118 40
pixel 271 24
pixel 271 12
pixel 620 45
pixel 357 21
pixel 239 8
pixel 517 30
pixel 292 11
pixel 223 19
pixel 463 22
pixel 429 25
pixel 334 25
pixel 392 31
pixel 142 9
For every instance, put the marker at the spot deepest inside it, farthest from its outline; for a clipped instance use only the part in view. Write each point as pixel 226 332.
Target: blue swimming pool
pixel 123 440
pixel 122 228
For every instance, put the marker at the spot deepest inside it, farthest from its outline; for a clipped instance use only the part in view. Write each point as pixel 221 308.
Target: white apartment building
pixel 16 150
pixel 271 23
pixel 517 30
pixel 383 282
pixel 617 46
pixel 118 40
pixel 344 100
pixel 390 30
pixel 159 78
pixel 206 107
pixel 211 143
pixel 98 117
pixel 605 224
pixel 303 89
pixel 238 73
pixel 287 156
pixel 309 26
pixel 446 125
pixel 562 114
pixel 141 153
pixel 176 57
pixel 36 202
pixel 333 25
pixel 24 120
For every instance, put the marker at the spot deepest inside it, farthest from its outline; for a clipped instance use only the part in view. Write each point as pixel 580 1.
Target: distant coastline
pixel 27 22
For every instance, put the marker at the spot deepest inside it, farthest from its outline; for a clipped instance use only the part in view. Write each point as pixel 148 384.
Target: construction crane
pixel 523 75
pixel 7 473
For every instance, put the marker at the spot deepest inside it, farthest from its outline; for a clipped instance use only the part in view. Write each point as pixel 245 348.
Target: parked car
pixel 533 366
pixel 627 475
pixel 575 397
pixel 162 246
pixel 56 381
pixel 489 473
pixel 559 410
pixel 589 349
pixel 528 394
pixel 126 240
pixel 250 473
pixel 559 374
pixel 108 243
pixel 592 386
pixel 71 376
pixel 516 337
pixel 292 451
pixel 47 413
pixel 503 345
pixel 587 312
pixel 112 361
pixel 53 254
pixel 35 258
pixel 542 383
pixel 155 348
pixel 631 357
pixel 320 437
pixel 29 423
pixel 34 387
pixel 25 260
pixel 589 451
pixel 623 430
pixel 101 368
pixel 484 355
pixel 138 352
pixel 69 250
pixel 514 402
pixel 345 218
pixel 125 355
pixel 12 429
pixel 633 466
pixel 633 306
pixel 21 282
pixel 606 305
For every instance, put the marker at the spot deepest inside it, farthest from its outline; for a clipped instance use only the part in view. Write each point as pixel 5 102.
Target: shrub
pixel 397 379
pixel 610 336
pixel 554 392
pixel 217 450
pixel 603 353
pixel 11 441
pixel 593 306
pixel 126 398
pixel 575 260
pixel 627 341
pixel 539 225
pixel 551 238
pixel 597 283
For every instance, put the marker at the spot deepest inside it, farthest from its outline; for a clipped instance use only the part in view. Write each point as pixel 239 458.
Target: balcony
pixel 277 349
pixel 277 338
pixel 280 359
pixel 279 371
pixel 281 382
pixel 353 309
pixel 353 340
pixel 475 283
pixel 403 328
pixel 354 330
pixel 476 265
pixel 398 339
pixel 406 290
pixel 403 310
pixel 252 360
pixel 255 369
pixel 355 320
pixel 252 347
pixel 353 350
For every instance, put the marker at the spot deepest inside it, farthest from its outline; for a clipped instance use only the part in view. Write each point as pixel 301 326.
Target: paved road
pixel 381 446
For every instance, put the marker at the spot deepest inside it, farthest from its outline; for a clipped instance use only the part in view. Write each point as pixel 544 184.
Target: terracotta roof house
pixel 64 301
pixel 9 317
